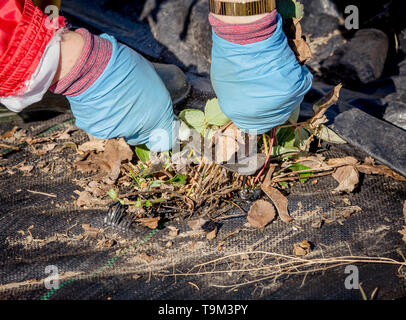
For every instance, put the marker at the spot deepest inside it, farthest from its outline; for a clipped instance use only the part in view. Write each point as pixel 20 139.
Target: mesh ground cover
pixel 37 231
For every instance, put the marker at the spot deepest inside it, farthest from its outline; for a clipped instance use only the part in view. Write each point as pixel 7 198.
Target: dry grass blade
pixel 278 266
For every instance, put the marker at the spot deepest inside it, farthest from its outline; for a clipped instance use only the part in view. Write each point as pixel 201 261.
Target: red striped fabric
pixel 245 33
pixel 93 60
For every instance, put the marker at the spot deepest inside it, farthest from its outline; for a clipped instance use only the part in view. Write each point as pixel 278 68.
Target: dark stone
pixel 402 41
pixel 182 26
pixel 396 102
pixel 381 140
pixel 360 60
pixel 321 26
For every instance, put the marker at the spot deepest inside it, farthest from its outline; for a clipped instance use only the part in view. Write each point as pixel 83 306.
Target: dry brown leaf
pixel 348 211
pixel 347 178
pixel 296 41
pixel 212 234
pixel 151 223
pixel 86 199
pixel 26 169
pixel 196 224
pixel 147 258
pixel 301 49
pixel 268 177
pixel 311 162
pixel 280 202
pixel 9 133
pixel 380 169
pixel 109 243
pixel 342 161
pixel 108 162
pixel 90 231
pixel 43 149
pixel 323 104
pixel 93 145
pixel 302 249
pixel 261 213
pixel 173 231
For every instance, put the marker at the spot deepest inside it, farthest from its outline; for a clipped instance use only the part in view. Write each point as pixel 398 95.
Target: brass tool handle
pixel 241 8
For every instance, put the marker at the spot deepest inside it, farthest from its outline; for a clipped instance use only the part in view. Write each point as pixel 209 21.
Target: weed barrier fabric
pixel 37 231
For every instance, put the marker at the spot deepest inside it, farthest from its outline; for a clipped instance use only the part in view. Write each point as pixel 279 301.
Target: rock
pixel 402 41
pixel 321 24
pixel 395 111
pixel 182 26
pixel 360 60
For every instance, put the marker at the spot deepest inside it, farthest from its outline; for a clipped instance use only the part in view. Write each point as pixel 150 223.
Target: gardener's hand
pixel 127 100
pixel 258 84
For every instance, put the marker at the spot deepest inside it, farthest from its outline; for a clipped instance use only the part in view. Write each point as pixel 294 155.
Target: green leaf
pixel 301 136
pixel 178 179
pixel 143 153
pixel 112 194
pixel 194 118
pixel 214 115
pixel 138 203
pixel 300 167
pixel 155 183
pixel 329 135
pixel 286 136
pixel 284 184
pixel 290 9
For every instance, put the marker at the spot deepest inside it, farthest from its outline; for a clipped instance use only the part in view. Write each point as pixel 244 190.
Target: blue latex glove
pixel 128 100
pixel 258 85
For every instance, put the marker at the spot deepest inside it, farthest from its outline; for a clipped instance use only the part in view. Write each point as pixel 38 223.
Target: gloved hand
pixel 128 100
pixel 259 84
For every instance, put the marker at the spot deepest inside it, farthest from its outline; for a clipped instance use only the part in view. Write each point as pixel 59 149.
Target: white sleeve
pixel 41 79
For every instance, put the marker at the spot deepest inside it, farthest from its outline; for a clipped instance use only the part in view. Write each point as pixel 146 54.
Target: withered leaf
pixel 279 200
pixel 301 49
pixel 151 223
pixel 196 224
pixel 173 231
pixel 323 104
pixel 9 133
pixel 347 178
pixel 93 145
pixel 147 258
pixel 26 169
pixel 302 248
pixel 90 231
pixel 261 213
pixel 85 199
pixel 379 170
pixel 212 234
pixel 107 162
pixel 348 211
pixel 342 161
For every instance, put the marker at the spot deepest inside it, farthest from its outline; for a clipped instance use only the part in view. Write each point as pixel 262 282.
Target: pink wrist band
pixel 93 60
pixel 245 33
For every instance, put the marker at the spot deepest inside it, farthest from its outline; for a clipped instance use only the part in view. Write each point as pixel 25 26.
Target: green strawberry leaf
pixel 214 115
pixel 193 118
pixel 143 153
